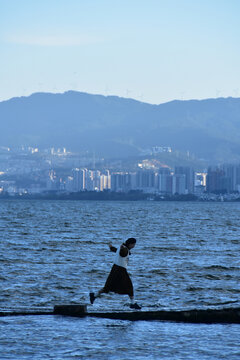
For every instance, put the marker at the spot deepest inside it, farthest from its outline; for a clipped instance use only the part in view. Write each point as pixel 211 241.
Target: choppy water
pixel 54 252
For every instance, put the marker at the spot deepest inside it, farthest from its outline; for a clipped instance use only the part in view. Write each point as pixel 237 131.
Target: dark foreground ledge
pixel 209 316
pixel 25 313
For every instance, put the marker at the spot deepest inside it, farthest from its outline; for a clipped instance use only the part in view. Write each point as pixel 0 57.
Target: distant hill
pixel 114 126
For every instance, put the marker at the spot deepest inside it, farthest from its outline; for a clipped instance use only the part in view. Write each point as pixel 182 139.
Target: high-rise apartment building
pixel 189 177
pixel 146 180
pixel 121 182
pixel 216 180
pixel 223 179
pixel 179 184
pixel 79 179
pixel 164 178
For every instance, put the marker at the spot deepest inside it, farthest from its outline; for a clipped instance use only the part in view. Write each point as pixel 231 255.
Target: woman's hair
pixel 130 241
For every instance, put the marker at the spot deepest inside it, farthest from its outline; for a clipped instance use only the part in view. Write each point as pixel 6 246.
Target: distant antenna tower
pixel 94 161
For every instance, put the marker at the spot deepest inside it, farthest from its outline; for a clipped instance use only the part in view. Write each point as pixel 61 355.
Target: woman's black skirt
pixel 118 281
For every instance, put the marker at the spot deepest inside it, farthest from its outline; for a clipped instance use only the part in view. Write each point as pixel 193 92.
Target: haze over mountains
pixel 117 127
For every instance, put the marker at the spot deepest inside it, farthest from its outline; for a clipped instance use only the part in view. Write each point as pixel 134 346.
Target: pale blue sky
pixel 149 50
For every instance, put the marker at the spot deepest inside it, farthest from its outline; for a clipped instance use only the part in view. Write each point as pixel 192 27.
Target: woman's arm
pixel 112 248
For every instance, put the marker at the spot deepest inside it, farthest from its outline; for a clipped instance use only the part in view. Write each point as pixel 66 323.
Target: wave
pixel 220 267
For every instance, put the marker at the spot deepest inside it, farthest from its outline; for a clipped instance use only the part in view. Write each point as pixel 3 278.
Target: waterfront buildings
pixel 223 179
pixel 188 180
pixel 163 181
pixel 29 170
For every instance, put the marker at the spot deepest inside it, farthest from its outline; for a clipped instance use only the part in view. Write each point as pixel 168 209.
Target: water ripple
pixel 187 256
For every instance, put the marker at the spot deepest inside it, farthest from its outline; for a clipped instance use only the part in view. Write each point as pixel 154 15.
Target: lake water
pixel 55 252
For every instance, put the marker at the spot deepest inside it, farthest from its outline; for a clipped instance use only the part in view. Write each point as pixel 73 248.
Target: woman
pixel 118 280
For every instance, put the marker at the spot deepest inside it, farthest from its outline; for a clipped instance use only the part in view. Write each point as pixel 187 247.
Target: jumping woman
pixel 118 280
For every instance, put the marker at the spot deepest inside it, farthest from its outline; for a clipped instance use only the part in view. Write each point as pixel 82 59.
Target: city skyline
pixel 29 171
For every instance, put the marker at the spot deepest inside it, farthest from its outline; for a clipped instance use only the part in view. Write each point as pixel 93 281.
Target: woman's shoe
pixel 135 306
pixel 92 297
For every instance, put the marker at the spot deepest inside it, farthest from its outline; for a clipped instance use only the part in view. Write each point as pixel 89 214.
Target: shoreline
pixel 117 196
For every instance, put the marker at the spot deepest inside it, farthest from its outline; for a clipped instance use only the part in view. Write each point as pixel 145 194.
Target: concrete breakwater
pixel 206 316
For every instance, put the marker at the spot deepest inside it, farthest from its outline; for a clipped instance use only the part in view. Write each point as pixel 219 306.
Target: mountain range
pixel 118 127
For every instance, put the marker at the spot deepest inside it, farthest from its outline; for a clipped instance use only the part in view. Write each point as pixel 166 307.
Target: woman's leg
pixel 93 297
